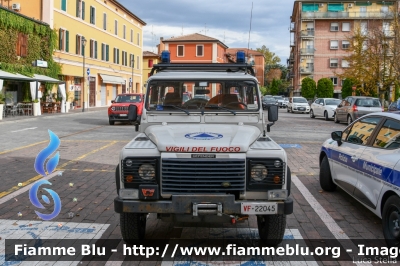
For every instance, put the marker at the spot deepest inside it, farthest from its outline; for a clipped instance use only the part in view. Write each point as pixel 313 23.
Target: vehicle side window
pixel 317 101
pixel 347 103
pixel 343 103
pixel 388 136
pixel 350 100
pixel 361 131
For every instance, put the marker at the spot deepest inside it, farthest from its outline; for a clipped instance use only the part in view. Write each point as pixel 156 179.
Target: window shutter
pixel 24 46
pixel 117 56
pixel 67 41
pixel 107 52
pixel 104 21
pixel 60 40
pixel 64 5
pixel 95 49
pixel 83 49
pixel 77 8
pixel 77 44
pixel 102 51
pixel 83 10
pixel 91 51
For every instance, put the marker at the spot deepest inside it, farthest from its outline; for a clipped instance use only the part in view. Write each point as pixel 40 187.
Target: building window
pixel 22 45
pixel 334 62
pixel 138 39
pixel 364 27
pixel 124 58
pixel 334 26
pixel 93 49
pixel 116 27
pixel 63 41
pixel 124 32
pixel 131 60
pixel 116 56
pixel 334 44
pixel 386 28
pixel 334 81
pixel 199 50
pixel 180 50
pixel 346 26
pixel 105 52
pixel 64 5
pixel 131 35
pixel 385 9
pixel 137 62
pixel 80 9
pixel 104 21
pixel 345 44
pixel 345 63
pixel 150 64
pixel 93 15
pixel 79 48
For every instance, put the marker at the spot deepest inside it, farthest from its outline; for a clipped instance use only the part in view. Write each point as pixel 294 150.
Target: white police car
pixel 364 160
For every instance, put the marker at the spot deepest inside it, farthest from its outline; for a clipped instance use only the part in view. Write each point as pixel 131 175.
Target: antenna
pixel 251 18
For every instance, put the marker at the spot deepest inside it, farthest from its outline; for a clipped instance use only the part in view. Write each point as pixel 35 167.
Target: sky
pixel 227 21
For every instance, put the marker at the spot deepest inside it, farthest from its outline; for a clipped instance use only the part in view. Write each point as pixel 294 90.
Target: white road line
pixel 335 229
pixel 24 129
pixel 24 189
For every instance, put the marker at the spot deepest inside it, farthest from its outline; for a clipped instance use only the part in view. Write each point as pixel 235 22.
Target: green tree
pixel 347 88
pixel 325 88
pixel 308 88
pixel 274 87
pixel 270 57
pixel 263 90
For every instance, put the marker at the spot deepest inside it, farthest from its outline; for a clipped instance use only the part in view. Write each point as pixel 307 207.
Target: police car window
pixel 361 130
pixel 388 136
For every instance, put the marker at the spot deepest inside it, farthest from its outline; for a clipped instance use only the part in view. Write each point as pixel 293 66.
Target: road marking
pixel 330 223
pixel 35 178
pixel 24 129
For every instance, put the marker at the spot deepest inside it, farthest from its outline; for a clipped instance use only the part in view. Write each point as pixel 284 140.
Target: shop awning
pixel 43 78
pixel 10 76
pixel 112 79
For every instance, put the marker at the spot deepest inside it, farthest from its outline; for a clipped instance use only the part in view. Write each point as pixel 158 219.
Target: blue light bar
pixel 240 57
pixel 165 57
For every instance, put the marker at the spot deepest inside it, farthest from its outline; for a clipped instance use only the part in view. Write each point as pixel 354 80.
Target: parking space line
pixel 330 223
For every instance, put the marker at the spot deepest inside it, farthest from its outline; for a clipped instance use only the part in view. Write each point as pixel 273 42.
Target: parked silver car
pixel 354 107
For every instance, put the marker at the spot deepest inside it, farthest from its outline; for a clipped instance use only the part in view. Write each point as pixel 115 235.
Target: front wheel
pixel 271 228
pixel 133 226
pixel 111 122
pixel 336 119
pixel 326 116
pixel 390 221
pixel 287 109
pixel 349 120
pixel 325 177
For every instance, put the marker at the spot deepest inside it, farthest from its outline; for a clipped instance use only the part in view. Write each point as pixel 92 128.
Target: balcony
pixel 307 34
pixel 307 51
pixel 292 44
pixel 351 15
pixel 306 70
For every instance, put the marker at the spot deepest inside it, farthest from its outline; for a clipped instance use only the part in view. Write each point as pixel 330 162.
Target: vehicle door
pixel 341 109
pixel 321 107
pixel 345 158
pixel 377 162
pixel 316 107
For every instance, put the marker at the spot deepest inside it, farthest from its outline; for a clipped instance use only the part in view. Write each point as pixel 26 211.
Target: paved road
pixel 89 152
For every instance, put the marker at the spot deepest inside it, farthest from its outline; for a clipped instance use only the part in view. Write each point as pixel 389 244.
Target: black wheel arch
pixel 321 156
pixel 117 176
pixel 385 197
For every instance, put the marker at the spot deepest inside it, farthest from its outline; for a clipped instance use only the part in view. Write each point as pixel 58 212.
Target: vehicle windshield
pixel 209 96
pixel 332 102
pixel 278 97
pixel 128 99
pixel 368 103
pixel 299 100
pixel 269 100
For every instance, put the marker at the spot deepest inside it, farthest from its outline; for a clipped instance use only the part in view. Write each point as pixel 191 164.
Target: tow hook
pixel 234 219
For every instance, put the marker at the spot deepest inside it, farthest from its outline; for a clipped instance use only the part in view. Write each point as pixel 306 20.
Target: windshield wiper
pixel 176 107
pixel 220 107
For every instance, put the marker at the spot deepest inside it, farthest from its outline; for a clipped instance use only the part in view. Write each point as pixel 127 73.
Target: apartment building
pixel 99 46
pixel 320 32
pixel 149 59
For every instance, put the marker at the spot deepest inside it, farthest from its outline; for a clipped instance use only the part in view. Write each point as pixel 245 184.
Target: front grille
pixel 185 176
pixel 269 182
pixel 121 108
pixel 133 170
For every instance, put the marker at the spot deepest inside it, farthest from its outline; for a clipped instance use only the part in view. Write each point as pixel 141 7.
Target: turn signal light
pixel 129 178
pixel 277 179
pixel 355 109
pixel 147 192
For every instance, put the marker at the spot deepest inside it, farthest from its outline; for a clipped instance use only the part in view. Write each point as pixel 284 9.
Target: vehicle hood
pixel 125 104
pixel 202 138
pixel 301 104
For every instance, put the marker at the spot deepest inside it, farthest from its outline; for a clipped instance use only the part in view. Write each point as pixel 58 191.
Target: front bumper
pixel 183 204
pixel 299 109
pixel 118 117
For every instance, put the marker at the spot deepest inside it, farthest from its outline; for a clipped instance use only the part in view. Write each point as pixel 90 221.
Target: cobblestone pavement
pixel 89 153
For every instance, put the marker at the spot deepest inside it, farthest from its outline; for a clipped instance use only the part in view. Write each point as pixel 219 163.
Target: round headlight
pixel 129 162
pixel 147 171
pixel 113 108
pixel 258 172
pixel 277 163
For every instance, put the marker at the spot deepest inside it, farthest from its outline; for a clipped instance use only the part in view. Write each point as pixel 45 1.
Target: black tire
pixel 349 120
pixel 271 228
pixel 326 116
pixel 325 177
pixel 111 122
pixel 287 109
pixel 336 119
pixel 390 221
pixel 133 226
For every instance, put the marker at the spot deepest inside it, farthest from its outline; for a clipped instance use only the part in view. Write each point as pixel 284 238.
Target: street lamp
pixel 83 77
pixel 133 65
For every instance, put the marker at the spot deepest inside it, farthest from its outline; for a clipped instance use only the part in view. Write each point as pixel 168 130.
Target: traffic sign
pixel 88 71
pixel 130 79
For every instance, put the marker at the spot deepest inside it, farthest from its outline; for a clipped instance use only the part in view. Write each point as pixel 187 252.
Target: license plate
pixel 123 115
pixel 259 208
pixel 302 109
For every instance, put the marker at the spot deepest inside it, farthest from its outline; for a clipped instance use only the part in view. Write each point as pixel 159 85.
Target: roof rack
pixel 216 67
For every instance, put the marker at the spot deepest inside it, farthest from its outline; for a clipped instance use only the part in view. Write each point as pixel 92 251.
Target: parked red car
pixel 118 111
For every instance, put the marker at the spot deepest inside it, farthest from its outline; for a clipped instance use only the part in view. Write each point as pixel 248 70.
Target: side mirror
pixel 112 101
pixel 340 105
pixel 132 113
pixel 337 136
pixel 273 113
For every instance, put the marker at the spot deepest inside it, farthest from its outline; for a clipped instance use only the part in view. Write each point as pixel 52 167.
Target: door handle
pixel 354 158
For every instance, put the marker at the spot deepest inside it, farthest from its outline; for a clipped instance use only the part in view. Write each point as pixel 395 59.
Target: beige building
pixel 149 59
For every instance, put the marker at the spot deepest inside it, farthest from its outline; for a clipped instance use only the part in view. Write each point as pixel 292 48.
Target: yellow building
pixel 149 59
pixel 103 37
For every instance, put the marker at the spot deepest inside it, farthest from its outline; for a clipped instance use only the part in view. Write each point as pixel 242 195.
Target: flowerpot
pixel 36 107
pixel 1 111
